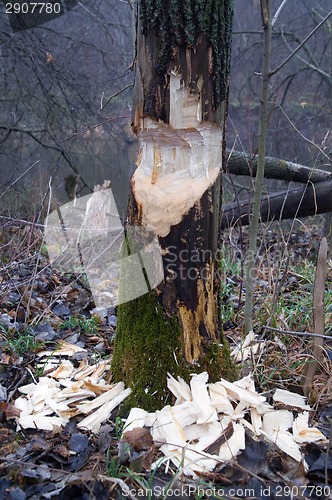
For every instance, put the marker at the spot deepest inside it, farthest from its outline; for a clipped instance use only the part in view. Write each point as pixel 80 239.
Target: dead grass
pixel 283 300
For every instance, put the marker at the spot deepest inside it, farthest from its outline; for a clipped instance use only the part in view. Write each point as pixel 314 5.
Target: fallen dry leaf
pixel 139 438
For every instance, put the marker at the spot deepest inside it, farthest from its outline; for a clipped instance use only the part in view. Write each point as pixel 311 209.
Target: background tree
pixel 268 101
pixel 259 178
pixel 300 92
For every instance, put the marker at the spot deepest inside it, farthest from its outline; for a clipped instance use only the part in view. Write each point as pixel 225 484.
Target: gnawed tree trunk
pixel 183 57
pixel 299 202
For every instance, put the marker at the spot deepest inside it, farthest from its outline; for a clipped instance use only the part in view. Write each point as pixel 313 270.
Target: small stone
pixel 112 320
pixel 78 442
pixel 61 310
pixel 44 332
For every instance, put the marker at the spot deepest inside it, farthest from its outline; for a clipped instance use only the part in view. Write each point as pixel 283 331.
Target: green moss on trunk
pixel 147 347
pixel 217 361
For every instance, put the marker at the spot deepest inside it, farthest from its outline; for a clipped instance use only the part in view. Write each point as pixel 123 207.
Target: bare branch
pixel 276 15
pixel 20 177
pixel 278 68
pixel 319 318
pixel 114 95
pixel 303 136
pixel 311 66
pixel 327 338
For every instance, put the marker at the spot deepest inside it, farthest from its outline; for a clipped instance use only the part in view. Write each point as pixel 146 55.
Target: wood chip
pixel 89 406
pixel 94 421
pixel 136 418
pixel 277 421
pixel 63 371
pixel 290 399
pixel 179 388
pixel 303 433
pixel 63 349
pixel 201 397
pixel 239 394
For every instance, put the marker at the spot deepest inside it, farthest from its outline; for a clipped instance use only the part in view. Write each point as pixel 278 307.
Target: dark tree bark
pixel 300 202
pixel 183 56
pixel 243 164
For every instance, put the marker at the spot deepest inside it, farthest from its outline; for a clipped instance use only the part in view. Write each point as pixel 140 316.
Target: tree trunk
pixel 243 164
pixel 251 254
pixel 183 56
pixel 327 232
pixel 299 202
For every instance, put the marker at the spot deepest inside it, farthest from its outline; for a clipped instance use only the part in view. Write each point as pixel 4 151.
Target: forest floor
pixel 40 308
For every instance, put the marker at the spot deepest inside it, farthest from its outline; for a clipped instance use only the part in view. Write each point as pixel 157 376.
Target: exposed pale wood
pixel 185 432
pixel 89 406
pixel 93 422
pixel 303 433
pixel 54 400
pixel 179 388
pixel 175 167
pixel 136 418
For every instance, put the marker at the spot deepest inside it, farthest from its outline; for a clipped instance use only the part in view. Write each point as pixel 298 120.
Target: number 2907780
pixel 33 8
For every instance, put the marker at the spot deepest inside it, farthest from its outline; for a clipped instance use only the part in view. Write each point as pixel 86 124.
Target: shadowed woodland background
pixel 66 91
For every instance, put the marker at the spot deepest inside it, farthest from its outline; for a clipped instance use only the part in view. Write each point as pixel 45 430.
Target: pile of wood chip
pixel 208 422
pixel 206 425
pixel 67 392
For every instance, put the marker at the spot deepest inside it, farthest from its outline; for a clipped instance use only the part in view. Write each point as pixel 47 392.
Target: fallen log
pixel 275 168
pixel 300 202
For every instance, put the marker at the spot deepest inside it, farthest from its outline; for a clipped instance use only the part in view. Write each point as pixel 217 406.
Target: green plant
pixel 112 465
pixel 19 342
pixel 86 325
pixel 43 250
pixel 229 266
pixel 119 427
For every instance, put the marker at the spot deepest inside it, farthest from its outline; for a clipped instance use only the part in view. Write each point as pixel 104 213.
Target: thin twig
pixel 22 221
pixel 299 334
pixel 120 482
pixel 77 134
pixel 278 68
pixel 114 95
pixel 301 135
pixel 276 15
pixel 311 66
pixel 20 177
